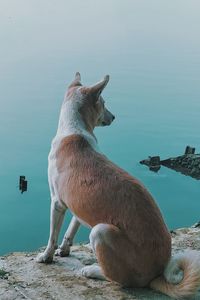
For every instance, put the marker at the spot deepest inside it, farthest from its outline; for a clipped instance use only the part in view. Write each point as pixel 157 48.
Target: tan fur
pixel 97 191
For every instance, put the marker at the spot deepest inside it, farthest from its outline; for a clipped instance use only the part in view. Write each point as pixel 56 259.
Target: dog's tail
pixel 181 277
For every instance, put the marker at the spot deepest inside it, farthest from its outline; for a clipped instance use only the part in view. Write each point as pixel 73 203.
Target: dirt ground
pixel 22 278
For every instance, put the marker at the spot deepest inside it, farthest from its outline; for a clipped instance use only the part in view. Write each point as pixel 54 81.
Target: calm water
pixel 151 49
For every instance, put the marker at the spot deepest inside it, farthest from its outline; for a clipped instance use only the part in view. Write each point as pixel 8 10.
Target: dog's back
pixel 97 191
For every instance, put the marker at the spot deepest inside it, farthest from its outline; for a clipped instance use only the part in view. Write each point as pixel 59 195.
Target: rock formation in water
pixel 187 164
pixel 22 278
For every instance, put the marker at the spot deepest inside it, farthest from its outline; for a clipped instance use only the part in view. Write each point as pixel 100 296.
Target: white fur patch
pixel 93 271
pixel 173 273
pixel 69 123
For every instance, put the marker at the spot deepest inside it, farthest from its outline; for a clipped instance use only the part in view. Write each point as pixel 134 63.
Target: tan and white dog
pixel 129 236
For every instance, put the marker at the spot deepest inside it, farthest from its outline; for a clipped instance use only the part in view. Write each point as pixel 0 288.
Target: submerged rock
pixel 25 279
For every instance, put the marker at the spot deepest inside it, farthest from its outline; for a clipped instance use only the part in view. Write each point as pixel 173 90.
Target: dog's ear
pixel 77 77
pixel 76 81
pixel 97 89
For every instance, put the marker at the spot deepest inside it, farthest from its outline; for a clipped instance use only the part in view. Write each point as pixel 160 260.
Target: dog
pixel 128 234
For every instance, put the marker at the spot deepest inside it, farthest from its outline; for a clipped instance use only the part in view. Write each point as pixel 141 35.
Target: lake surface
pixel 151 49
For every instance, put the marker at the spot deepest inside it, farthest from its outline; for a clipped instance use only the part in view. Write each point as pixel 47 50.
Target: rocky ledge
pixel 22 278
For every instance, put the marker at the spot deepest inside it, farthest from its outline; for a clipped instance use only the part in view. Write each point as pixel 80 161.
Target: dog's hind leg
pixel 57 216
pixel 114 254
pixel 67 241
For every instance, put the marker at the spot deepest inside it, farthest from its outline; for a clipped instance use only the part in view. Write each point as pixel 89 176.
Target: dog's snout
pixel 113 117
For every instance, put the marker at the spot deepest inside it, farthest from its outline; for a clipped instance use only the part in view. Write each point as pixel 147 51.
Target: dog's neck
pixel 70 122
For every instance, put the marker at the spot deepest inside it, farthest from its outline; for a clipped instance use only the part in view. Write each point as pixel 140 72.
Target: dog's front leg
pixel 57 215
pixel 67 241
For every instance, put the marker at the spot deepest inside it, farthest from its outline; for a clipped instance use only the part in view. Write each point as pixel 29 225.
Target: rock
pixel 187 164
pixel 25 279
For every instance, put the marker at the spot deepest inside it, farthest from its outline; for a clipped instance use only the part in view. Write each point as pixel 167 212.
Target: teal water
pixel 151 49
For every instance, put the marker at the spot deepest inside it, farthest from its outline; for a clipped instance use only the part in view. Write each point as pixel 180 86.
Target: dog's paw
pixel 93 271
pixel 44 258
pixel 90 271
pixel 86 272
pixel 62 252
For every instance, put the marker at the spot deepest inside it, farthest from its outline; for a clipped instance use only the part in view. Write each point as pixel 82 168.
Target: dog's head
pixel 89 103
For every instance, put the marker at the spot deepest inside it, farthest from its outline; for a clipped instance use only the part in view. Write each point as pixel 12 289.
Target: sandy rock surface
pixel 22 278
